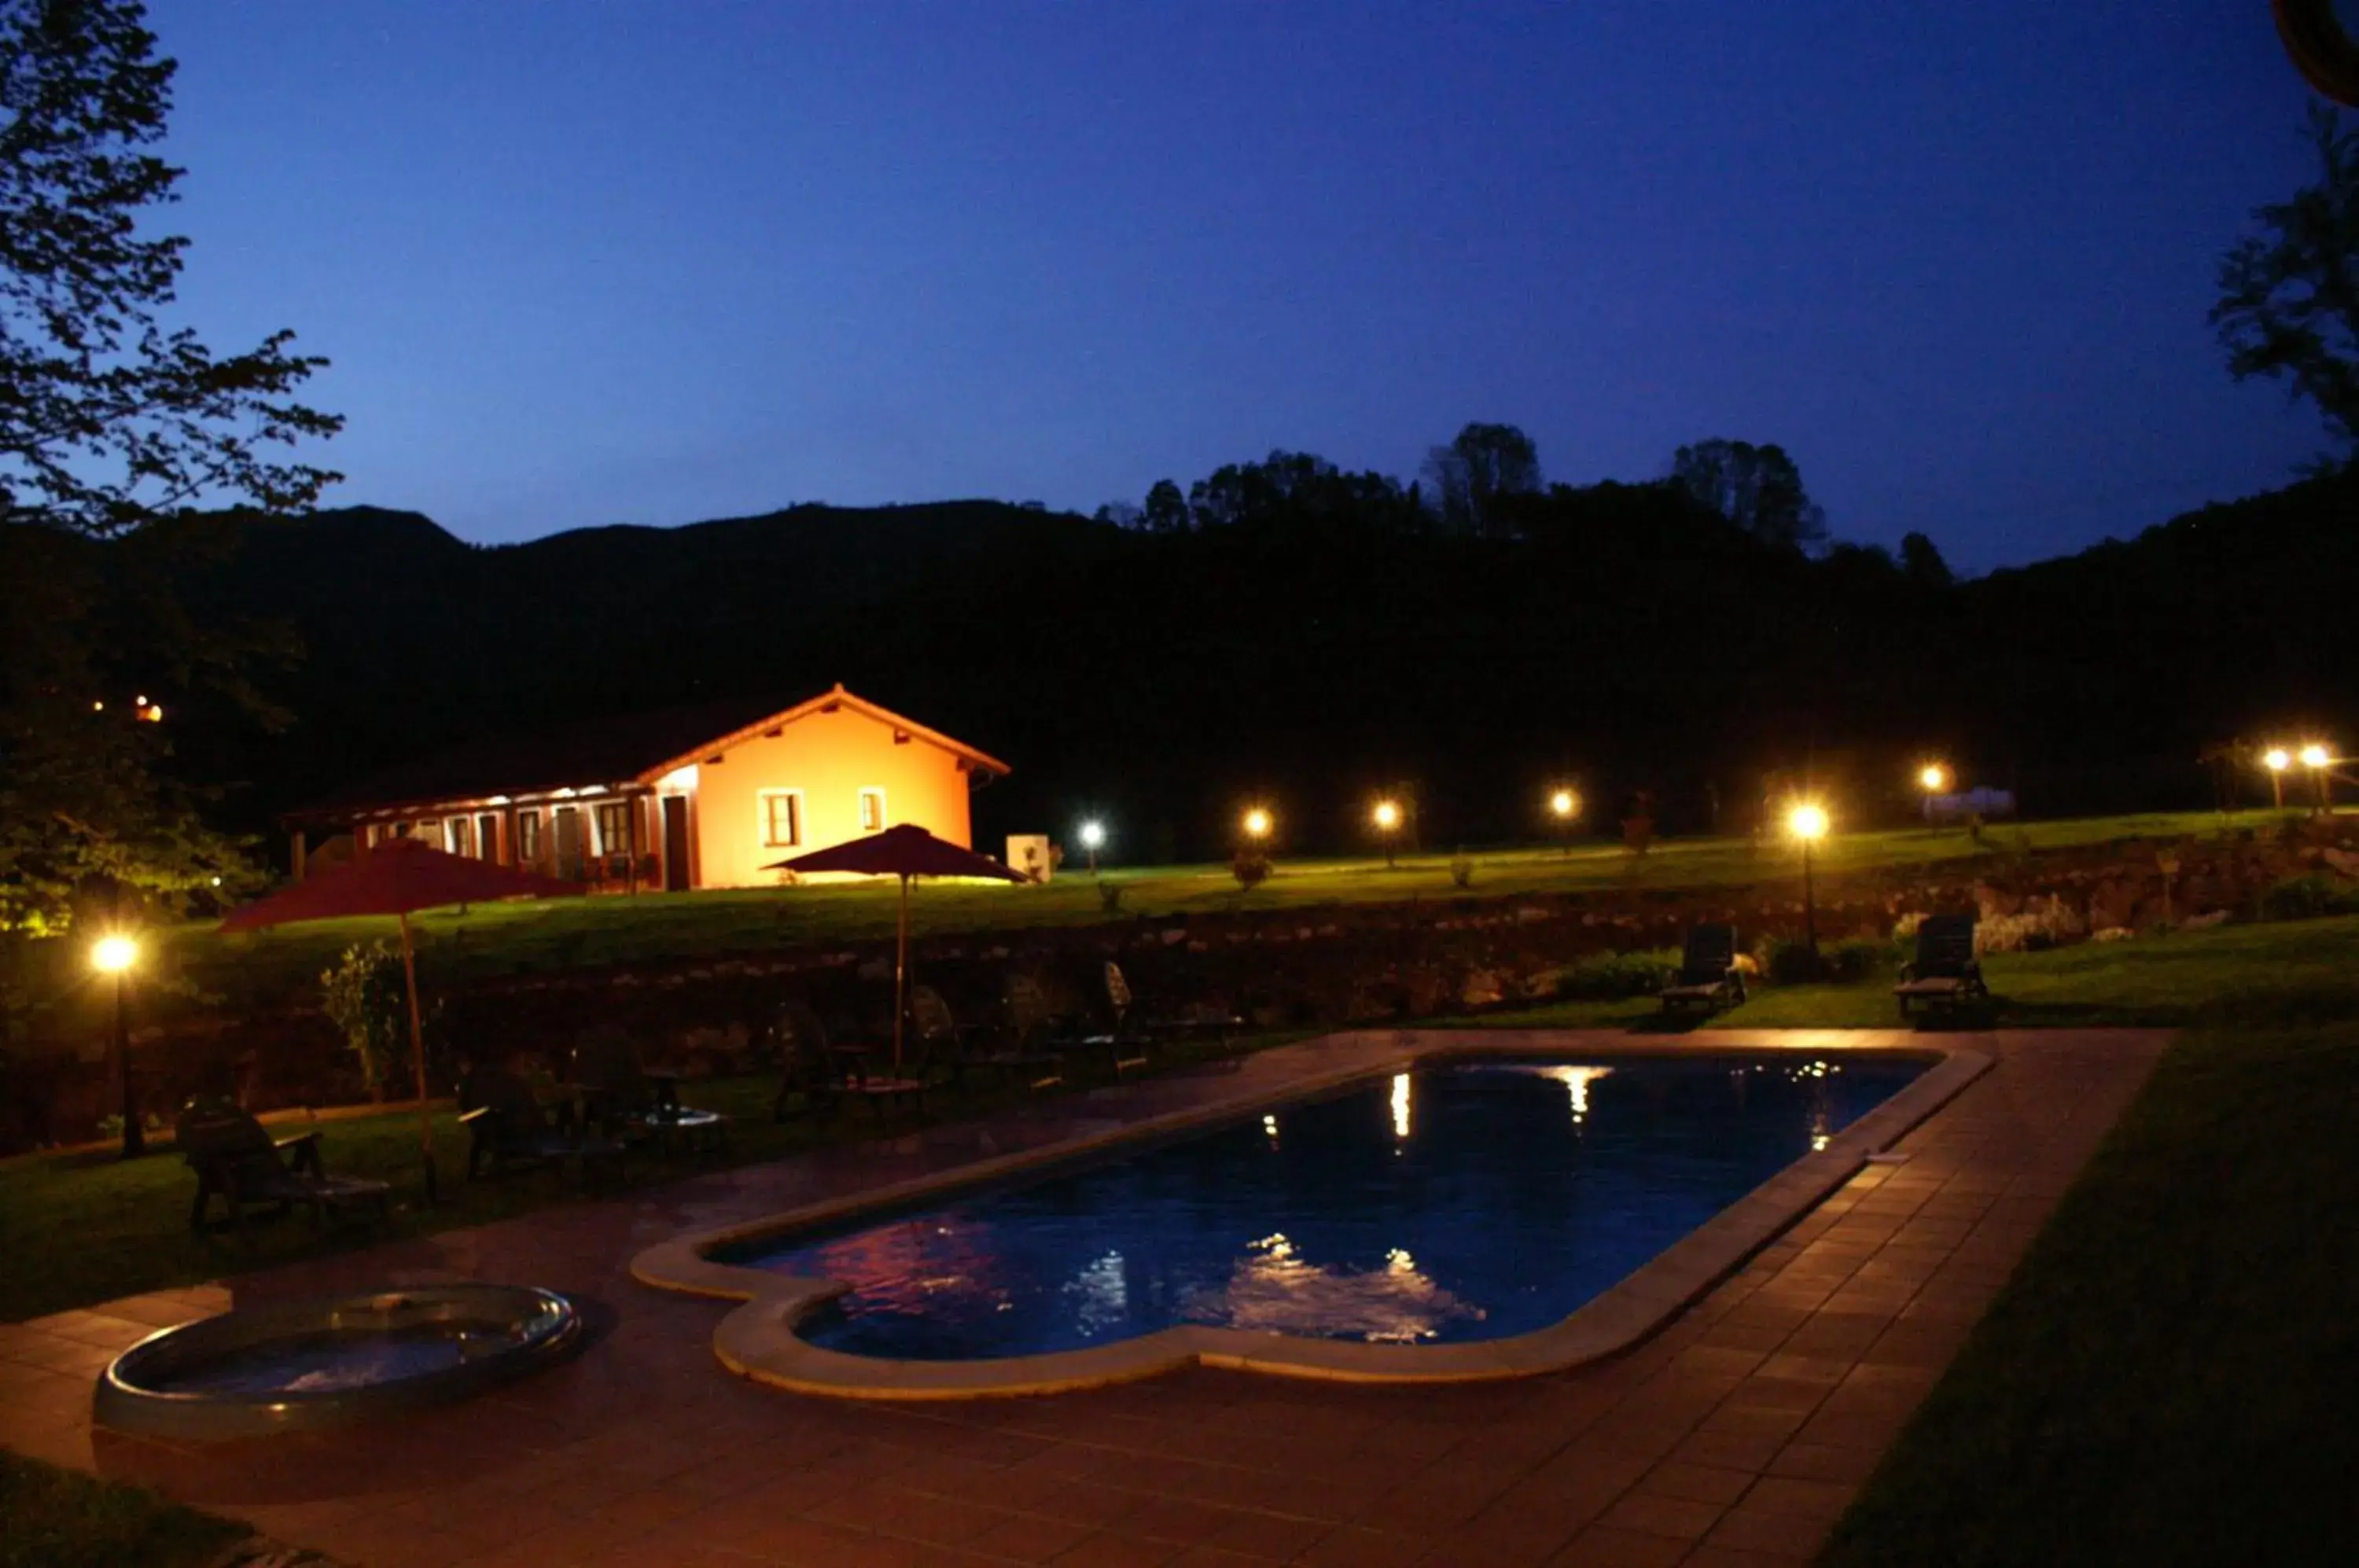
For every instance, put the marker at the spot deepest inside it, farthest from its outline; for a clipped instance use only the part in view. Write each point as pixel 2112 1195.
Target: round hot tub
pixel 324 1363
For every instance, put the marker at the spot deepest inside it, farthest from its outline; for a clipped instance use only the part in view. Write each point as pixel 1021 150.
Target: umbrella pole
pixel 901 976
pixel 417 1059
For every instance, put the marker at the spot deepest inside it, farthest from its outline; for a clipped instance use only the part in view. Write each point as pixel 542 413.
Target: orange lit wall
pixel 830 757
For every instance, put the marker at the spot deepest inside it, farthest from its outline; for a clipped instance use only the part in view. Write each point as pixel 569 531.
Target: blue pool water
pixel 1467 1202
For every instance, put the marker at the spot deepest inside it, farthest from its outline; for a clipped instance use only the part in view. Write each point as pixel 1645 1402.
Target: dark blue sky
pixel 657 262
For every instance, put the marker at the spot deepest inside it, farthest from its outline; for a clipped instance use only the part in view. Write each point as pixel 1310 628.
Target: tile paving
pixel 1730 1440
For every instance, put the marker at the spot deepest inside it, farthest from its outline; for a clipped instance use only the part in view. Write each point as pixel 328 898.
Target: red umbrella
pixel 398 877
pixel 904 851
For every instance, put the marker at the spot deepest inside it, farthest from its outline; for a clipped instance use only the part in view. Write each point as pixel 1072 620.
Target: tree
pixel 1758 488
pixel 2290 294
pixel 1476 474
pixel 113 426
pixel 1922 563
pixel 1166 511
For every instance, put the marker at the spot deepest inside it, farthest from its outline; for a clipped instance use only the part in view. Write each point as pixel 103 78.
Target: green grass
pixel 87 1227
pixel 61 1518
pixel 263 967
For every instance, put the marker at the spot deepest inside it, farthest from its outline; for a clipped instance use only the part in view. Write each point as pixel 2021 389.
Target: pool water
pixel 1467 1202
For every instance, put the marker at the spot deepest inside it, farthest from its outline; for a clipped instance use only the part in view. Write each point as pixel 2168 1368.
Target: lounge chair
pixel 627 1103
pixel 508 1126
pixel 1945 975
pixel 234 1156
pixel 807 1079
pixel 1708 976
pixel 1037 1028
pixel 1195 1024
pixel 829 1069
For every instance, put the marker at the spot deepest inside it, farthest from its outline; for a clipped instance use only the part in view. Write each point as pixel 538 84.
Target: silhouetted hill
pixel 1628 639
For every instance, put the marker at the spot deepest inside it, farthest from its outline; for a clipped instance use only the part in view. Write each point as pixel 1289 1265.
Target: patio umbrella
pixel 398 877
pixel 906 851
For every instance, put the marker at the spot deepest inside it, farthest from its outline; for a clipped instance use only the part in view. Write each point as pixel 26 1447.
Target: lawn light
pixel 1258 823
pixel 1934 778
pixel 1387 818
pixel 1564 805
pixel 2317 759
pixel 2277 760
pixel 113 955
pixel 1092 840
pixel 1808 823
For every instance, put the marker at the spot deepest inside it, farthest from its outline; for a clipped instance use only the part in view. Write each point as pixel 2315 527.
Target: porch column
pixel 296 847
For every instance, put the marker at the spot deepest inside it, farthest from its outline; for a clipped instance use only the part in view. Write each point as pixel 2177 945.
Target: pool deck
pixel 1731 1437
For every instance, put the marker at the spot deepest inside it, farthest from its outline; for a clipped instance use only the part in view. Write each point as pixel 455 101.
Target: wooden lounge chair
pixel 1193 1024
pixel 827 1068
pixel 508 1126
pixel 1037 1028
pixel 629 1105
pixel 1945 975
pixel 1708 976
pixel 234 1156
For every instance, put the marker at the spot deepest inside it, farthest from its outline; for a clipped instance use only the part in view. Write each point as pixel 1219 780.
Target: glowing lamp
pixel 2316 755
pixel 1807 821
pixel 2276 760
pixel 150 713
pixel 1934 778
pixel 1564 803
pixel 1092 834
pixel 114 954
pixel 1258 823
pixel 1388 815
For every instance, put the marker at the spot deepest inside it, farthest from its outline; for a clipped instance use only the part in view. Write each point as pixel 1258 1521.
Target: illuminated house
pixel 699 799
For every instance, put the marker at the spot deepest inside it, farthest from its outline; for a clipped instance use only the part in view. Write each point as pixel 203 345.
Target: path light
pixel 1258 823
pixel 1934 778
pixel 1808 823
pixel 2276 761
pixel 2317 759
pixel 1387 818
pixel 1092 840
pixel 113 955
pixel 1564 805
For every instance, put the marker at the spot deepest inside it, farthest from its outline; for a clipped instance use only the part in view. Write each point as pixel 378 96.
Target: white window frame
pixel 762 799
pixel 459 835
pixel 598 809
pixel 527 836
pixel 868 793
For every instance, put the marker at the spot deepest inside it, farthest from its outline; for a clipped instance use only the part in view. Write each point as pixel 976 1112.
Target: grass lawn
pixel 564 933
pixel 61 1518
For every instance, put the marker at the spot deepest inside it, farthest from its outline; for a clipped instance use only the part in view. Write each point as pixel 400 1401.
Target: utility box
pixel 1031 854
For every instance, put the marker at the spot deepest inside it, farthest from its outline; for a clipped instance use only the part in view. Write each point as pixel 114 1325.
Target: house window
pixel 527 837
pixel 782 819
pixel 487 836
pixel 871 809
pixel 614 827
pixel 458 836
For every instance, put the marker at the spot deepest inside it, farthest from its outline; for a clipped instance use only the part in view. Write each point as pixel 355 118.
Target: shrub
pixel 1846 961
pixel 1609 976
pixel 1110 898
pixel 1461 871
pixel 2306 898
pixel 363 997
pixel 1250 866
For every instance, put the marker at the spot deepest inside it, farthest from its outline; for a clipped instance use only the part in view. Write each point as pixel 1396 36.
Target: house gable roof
pixel 831 702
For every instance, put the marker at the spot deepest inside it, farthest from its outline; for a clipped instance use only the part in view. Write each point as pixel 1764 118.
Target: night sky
pixel 582 263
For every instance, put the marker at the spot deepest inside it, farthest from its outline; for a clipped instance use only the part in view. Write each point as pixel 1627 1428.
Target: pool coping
pixel 758 1341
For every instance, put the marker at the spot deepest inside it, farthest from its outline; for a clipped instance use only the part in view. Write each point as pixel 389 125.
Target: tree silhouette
pixel 1758 488
pixel 1474 476
pixel 2290 294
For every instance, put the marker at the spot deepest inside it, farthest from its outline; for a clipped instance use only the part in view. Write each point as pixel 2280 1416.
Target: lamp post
pixel 1258 823
pixel 1092 839
pixel 1932 778
pixel 2317 759
pixel 2277 760
pixel 1808 822
pixel 114 954
pixel 1387 816
pixel 1564 805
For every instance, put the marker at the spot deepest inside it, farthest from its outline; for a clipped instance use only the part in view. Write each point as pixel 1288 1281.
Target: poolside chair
pixel 1945 975
pixel 1193 1024
pixel 630 1105
pixel 807 1080
pixel 235 1156
pixel 1708 976
pixel 508 1127
pixel 1037 1028
pixel 830 1065
pixel 968 1047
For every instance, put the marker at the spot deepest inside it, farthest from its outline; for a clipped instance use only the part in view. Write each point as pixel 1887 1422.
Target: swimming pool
pixel 1455 1202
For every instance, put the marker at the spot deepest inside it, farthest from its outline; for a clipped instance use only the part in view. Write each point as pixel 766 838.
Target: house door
pixel 675 843
pixel 569 843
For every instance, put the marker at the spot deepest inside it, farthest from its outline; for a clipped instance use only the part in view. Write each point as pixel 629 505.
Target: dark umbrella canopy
pixel 904 851
pixel 398 877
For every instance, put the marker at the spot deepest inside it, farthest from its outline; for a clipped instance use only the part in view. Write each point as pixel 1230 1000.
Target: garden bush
pixel 364 998
pixel 1610 976
pixel 1250 867
pixel 1846 961
pixel 2307 897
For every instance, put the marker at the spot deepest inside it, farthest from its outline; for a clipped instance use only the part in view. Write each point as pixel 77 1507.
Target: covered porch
pixel 624 838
